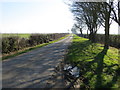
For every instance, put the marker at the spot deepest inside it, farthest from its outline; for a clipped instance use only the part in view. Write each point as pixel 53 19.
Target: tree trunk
pixel 92 37
pixel 87 33
pixel 119 13
pixel 81 32
pixel 106 33
pixel 107 25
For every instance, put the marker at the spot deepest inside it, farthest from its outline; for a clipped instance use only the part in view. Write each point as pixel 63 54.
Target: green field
pixel 99 67
pixel 20 35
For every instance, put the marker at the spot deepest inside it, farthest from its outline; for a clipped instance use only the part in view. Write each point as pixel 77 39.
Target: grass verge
pixel 99 67
pixel 13 54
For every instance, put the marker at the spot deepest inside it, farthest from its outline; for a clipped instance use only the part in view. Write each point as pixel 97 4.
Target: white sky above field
pixel 38 16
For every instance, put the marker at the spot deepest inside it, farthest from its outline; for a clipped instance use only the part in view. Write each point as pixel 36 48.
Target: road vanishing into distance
pixel 34 68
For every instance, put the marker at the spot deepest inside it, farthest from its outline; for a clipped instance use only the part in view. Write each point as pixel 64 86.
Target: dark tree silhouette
pixel 80 28
pixel 88 13
pixel 95 14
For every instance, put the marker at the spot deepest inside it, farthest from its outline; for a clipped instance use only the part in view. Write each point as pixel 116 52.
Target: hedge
pixel 14 43
pixel 114 40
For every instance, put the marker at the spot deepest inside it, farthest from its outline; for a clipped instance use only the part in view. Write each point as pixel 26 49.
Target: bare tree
pixel 115 10
pixel 87 13
pixel 80 28
pixel 95 14
pixel 105 17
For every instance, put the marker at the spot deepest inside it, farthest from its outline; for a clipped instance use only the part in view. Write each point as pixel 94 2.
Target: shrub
pixel 22 43
pixel 5 45
pixel 13 43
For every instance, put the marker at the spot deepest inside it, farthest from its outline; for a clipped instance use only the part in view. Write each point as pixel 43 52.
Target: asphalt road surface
pixel 34 68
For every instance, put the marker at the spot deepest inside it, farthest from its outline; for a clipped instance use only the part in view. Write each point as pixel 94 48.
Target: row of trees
pixel 93 15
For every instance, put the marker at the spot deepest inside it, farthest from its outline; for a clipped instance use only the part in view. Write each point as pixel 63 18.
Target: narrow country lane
pixel 32 69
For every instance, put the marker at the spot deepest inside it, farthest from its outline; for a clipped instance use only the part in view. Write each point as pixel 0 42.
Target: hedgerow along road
pixel 32 69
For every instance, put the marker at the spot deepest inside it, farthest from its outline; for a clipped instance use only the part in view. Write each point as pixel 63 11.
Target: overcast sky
pixel 38 16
